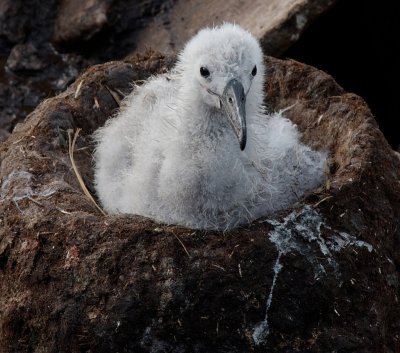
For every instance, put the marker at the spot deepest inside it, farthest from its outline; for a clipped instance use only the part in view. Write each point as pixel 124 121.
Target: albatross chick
pixel 195 147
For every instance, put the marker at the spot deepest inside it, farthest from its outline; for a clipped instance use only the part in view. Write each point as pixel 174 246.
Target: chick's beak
pixel 233 102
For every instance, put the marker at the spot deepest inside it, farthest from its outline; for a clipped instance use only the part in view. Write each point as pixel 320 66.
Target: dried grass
pixel 71 149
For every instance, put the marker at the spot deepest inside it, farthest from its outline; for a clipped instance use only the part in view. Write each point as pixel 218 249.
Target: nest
pixel 74 279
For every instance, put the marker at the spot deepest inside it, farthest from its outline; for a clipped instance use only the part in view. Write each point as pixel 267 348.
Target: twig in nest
pixel 71 148
pixel 321 201
pixel 78 89
pixel 122 94
pixel 96 103
pixel 115 95
pixel 35 201
pixel 231 254
pixel 218 266
pixel 183 245
pixel 62 211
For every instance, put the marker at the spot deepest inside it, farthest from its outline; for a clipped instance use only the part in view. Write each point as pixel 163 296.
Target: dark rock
pixel 277 24
pixel 103 29
pixel 20 22
pixel 30 67
pixel 12 27
pixel 319 277
pixel 27 57
pixel 20 95
pixel 80 20
pixel 3 135
pixel 361 57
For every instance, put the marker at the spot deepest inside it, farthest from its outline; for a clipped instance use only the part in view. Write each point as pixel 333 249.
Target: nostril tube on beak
pixel 234 102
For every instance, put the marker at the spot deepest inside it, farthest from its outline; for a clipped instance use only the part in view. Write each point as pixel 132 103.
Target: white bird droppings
pixel 300 232
pixel 261 331
pixel 18 186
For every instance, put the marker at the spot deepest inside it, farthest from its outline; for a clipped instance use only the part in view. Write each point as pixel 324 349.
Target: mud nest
pixel 319 276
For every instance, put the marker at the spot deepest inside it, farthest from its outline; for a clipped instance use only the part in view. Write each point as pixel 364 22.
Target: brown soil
pixel 73 280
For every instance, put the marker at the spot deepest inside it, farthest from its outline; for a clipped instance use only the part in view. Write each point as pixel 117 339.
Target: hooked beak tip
pixel 243 143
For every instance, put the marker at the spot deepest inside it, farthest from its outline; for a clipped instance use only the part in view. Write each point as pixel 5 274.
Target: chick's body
pixel 172 153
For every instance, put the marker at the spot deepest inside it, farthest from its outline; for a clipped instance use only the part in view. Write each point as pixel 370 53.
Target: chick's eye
pixel 254 71
pixel 204 72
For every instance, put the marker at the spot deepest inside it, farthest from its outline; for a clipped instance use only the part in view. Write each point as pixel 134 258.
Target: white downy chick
pixel 195 147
